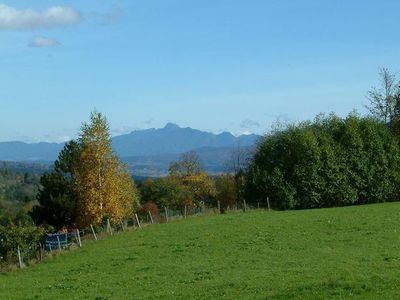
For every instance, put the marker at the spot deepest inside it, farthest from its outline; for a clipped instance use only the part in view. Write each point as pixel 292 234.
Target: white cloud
pixel 42 42
pixel 26 19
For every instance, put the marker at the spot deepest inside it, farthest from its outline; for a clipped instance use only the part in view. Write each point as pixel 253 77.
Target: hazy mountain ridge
pixel 174 139
pixel 148 152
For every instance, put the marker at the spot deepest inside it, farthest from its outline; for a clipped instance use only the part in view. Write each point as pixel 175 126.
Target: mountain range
pixel 147 152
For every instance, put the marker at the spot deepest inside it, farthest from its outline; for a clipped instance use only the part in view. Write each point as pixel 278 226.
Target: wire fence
pixel 56 243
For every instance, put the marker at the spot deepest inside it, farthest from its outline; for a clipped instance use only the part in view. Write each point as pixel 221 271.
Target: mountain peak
pixel 170 125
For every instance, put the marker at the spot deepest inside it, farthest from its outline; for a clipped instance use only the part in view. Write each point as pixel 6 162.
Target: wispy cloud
pixel 12 18
pixel 246 124
pixel 122 130
pixel 149 121
pixel 42 42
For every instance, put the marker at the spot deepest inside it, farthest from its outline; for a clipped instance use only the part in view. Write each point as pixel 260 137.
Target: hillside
pixel 350 252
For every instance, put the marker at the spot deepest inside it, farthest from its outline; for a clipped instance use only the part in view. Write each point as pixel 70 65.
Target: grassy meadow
pixel 350 252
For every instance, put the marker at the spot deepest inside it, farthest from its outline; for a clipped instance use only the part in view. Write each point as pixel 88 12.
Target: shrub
pixel 26 238
pixel 149 207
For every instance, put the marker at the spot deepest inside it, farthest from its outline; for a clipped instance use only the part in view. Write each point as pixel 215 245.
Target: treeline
pixel 332 161
pixel 18 190
pixel 329 162
pixel 188 185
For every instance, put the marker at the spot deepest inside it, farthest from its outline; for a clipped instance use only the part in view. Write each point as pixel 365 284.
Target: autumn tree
pixel 103 184
pixel 226 191
pixel 198 186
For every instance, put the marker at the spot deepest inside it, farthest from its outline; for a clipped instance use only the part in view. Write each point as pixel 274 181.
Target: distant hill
pixel 148 152
pixel 19 151
pixel 173 139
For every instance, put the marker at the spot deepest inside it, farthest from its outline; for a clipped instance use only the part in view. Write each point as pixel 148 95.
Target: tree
pixel 165 192
pixel 325 163
pixel 103 184
pixel 226 191
pixel 237 165
pixel 57 197
pixel 188 164
pixel 384 101
pixel 198 186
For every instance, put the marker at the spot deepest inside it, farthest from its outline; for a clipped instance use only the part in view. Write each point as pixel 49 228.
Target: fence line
pixel 63 241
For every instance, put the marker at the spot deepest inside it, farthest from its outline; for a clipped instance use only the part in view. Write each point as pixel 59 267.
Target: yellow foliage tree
pixel 201 186
pixel 189 172
pixel 103 183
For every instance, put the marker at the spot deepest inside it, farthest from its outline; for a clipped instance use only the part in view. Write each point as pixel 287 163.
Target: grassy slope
pixel 311 254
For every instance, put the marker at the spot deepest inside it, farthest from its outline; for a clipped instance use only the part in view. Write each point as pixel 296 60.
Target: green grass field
pixel 310 254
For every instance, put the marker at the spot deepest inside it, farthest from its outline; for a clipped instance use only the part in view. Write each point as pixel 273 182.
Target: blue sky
pixel 226 65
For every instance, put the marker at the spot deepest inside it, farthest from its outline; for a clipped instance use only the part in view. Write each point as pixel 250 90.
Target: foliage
pixel 187 184
pixel 103 184
pixel 149 207
pixel 336 253
pixel 165 192
pixel 188 164
pixel 198 187
pixel 328 162
pixel 88 182
pixel 58 205
pixel 226 191
pixel 27 238
pixel 17 186
pixel 385 100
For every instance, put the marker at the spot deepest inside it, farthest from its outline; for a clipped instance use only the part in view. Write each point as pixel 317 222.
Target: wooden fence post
pixel 58 242
pixel 137 220
pixel 244 205
pixel 79 238
pixel 40 252
pixel 269 208
pixel 185 210
pixel 219 207
pixel 94 233
pixel 166 213
pixel 109 226
pixel 258 205
pixel 19 257
pixel 151 218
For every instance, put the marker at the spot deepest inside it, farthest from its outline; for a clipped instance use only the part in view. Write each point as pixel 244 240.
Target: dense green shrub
pixel 27 238
pixel 328 162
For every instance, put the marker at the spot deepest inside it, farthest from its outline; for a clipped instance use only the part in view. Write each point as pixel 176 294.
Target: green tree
pixel 165 192
pixel 328 162
pixel 57 197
